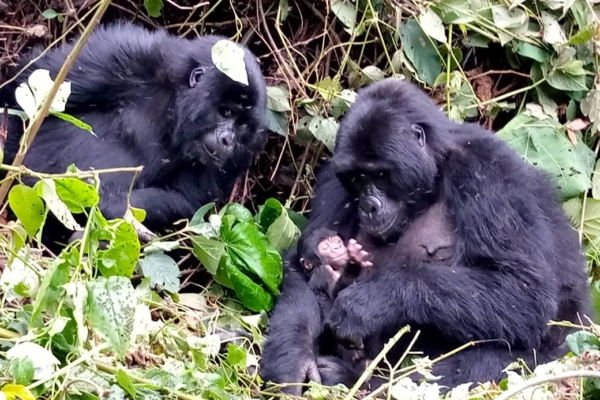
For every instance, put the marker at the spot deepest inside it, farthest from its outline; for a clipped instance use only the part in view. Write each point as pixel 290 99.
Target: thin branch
pixel 547 379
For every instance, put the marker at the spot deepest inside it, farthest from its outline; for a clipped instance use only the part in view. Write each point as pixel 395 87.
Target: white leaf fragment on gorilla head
pixel 228 57
pixel 32 94
pixel 43 360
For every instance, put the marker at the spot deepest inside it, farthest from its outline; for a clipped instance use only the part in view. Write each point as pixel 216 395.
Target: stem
pixel 35 125
pixel 23 170
pixel 547 379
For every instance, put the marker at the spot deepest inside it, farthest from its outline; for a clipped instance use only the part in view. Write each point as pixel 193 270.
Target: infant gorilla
pixel 331 266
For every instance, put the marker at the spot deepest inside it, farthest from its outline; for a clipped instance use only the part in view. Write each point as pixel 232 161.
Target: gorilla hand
pixel 346 316
pixel 306 369
pixel 358 255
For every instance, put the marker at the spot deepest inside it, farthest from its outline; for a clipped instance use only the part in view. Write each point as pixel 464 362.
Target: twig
pixel 369 370
pixel 35 125
pixel 547 379
pixel 23 170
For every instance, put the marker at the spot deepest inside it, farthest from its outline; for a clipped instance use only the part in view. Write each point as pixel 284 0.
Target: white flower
pixel 31 95
pixel 43 360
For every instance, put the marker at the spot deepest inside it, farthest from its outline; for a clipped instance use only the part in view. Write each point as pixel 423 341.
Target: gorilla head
pixel 218 120
pixel 389 159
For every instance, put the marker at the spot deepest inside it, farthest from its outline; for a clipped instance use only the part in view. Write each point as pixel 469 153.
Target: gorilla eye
pixel 420 133
pixel 195 76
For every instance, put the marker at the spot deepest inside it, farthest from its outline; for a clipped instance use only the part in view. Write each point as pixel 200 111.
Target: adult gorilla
pixel 516 260
pixel 154 100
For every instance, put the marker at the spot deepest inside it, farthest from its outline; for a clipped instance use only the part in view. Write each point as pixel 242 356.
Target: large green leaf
pixel 46 189
pixel 250 250
pixel 420 51
pixel 51 288
pixel 162 270
pixel 252 295
pixel 544 143
pixel 76 194
pixel 209 252
pixel 111 309
pixel 123 250
pixel 28 207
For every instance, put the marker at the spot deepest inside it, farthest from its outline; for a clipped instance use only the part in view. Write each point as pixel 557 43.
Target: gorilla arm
pixel 504 291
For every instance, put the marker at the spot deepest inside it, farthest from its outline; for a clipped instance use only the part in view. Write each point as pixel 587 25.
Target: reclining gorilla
pixel 154 100
pixel 508 262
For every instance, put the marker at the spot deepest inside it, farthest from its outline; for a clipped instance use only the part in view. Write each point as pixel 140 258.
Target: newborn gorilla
pixel 154 100
pixel 508 263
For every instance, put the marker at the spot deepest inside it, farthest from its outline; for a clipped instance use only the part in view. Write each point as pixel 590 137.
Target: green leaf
pixel 250 250
pixel 236 356
pixel 530 51
pixel 76 194
pixel 111 308
pixel 46 189
pixel 75 121
pixel 583 36
pixel 209 252
pixel 370 74
pixel 153 7
pixel 123 250
pixel 582 341
pixel 51 288
pixel 420 51
pixel 544 144
pixel 328 88
pixel 126 383
pixel 252 295
pixel 28 207
pixel 563 81
pixel 324 130
pixel 277 122
pixel 50 14
pixel 283 233
pixel 228 57
pixel 163 272
pixel 432 25
pixel 271 210
pixel 22 370
pixel 508 19
pixel 454 11
pixel 198 217
pixel 241 213
pixel 345 11
pixel 278 98
pixel 590 106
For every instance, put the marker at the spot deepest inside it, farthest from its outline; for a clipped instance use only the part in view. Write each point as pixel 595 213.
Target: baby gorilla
pixel 330 267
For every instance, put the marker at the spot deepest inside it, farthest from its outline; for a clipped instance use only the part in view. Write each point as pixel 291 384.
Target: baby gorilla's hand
pixel 358 255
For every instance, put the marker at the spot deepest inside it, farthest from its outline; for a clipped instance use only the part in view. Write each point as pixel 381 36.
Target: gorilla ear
pixel 195 76
pixel 419 133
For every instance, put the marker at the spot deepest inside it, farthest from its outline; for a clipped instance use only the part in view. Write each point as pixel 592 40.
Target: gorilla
pixel 154 100
pixel 504 262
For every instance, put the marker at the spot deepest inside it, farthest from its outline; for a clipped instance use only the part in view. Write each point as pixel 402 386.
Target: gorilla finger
pixel 312 373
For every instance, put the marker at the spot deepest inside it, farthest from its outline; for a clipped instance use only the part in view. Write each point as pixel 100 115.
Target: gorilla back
pixel 154 100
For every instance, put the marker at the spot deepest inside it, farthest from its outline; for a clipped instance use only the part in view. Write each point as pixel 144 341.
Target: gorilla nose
pixel 225 139
pixel 370 205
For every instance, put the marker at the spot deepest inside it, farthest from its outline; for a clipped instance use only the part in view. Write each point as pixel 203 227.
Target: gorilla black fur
pixel 154 100
pixel 517 261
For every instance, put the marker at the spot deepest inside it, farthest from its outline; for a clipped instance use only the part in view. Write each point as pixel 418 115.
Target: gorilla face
pixel 386 155
pixel 219 121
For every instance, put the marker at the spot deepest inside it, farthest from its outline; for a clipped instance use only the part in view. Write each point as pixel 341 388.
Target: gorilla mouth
pixel 213 154
pixel 382 230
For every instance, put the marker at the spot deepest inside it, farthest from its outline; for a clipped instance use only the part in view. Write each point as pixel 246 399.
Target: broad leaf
pixel 552 32
pixel 582 341
pixel 209 252
pixel 432 24
pixel 28 207
pixel 111 309
pixel 22 370
pixel 46 189
pixel 278 98
pixel 270 212
pixel 198 217
pixel 163 272
pixel 241 213
pixel 283 233
pixel 153 7
pixel 420 51
pixel 123 251
pixel 250 250
pixel 228 57
pixel 544 144
pixel 277 122
pixel 252 295
pixel 76 194
pixel 324 130
pixel 345 11
pixel 51 288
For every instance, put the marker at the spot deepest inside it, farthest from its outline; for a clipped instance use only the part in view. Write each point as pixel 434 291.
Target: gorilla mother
pixel 517 261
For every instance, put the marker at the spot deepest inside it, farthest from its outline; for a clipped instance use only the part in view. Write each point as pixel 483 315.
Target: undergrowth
pixel 109 317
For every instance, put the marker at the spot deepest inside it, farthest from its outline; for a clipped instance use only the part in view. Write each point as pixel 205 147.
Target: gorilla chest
pixel 430 237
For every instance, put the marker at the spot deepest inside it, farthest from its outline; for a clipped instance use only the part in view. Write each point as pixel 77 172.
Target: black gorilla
pixel 154 100
pixel 512 264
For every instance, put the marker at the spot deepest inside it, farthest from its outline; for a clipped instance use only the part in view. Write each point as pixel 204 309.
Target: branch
pixel 546 379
